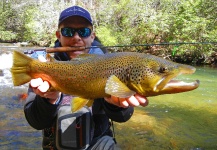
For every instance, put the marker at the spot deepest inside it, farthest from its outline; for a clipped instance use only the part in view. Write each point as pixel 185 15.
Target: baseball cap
pixel 75 11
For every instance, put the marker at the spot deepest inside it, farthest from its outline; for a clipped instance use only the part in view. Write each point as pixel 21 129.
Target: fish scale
pixel 90 76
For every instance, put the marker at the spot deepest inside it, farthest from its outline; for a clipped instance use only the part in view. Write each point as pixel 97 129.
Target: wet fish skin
pixel 92 76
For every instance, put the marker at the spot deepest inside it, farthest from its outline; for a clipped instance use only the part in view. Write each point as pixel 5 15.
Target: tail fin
pixel 19 69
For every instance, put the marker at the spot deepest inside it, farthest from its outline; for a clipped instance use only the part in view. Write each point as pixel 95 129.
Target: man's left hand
pixel 134 100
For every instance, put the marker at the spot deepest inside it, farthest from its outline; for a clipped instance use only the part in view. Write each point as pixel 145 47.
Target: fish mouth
pixel 167 85
pixel 176 86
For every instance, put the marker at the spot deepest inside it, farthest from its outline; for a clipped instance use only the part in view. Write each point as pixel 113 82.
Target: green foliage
pixel 119 22
pixel 7 36
pixel 153 21
pixel 30 21
pixel 105 34
pixel 6 14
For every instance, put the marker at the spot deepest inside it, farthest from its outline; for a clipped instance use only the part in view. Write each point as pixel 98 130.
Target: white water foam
pixel 6 62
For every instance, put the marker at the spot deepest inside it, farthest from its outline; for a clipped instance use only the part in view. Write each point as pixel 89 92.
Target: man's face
pixel 76 40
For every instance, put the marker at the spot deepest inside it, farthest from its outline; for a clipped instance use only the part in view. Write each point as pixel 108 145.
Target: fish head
pixel 156 77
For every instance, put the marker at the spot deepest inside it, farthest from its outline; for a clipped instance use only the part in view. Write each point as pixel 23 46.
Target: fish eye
pixel 163 69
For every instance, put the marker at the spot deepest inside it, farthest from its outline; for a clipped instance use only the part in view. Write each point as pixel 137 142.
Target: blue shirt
pixel 96 51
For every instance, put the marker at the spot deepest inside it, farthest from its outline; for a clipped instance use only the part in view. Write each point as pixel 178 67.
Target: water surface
pixel 15 132
pixel 184 121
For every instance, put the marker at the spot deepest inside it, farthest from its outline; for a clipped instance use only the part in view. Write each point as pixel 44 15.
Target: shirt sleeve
pixel 39 112
pixel 115 113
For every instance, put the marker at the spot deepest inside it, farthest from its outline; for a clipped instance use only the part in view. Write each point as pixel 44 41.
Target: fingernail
pixel 142 100
pixel 125 104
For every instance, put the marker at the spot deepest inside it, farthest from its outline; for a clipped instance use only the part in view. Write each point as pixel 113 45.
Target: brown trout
pixel 92 76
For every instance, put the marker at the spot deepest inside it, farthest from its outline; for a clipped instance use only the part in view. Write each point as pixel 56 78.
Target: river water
pixel 185 121
pixel 15 132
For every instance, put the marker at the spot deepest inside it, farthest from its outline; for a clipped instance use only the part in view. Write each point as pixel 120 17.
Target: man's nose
pixel 76 35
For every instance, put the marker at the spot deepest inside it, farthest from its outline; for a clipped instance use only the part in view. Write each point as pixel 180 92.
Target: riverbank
pixel 186 57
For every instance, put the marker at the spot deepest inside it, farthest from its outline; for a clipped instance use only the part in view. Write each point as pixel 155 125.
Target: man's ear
pixel 93 35
pixel 58 34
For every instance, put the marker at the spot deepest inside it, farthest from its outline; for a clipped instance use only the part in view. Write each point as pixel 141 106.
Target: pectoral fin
pixel 117 88
pixel 77 103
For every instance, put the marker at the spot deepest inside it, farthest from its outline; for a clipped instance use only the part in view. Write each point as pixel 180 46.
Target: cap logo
pixel 74 10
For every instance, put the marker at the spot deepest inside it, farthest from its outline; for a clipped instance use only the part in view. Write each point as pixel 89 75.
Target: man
pixel 75 28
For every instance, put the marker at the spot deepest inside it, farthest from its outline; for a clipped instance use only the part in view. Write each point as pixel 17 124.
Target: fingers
pixel 44 86
pixel 36 82
pixel 142 100
pixel 41 85
pixel 135 100
pixel 121 102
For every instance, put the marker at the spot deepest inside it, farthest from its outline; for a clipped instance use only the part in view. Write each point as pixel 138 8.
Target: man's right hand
pixel 41 87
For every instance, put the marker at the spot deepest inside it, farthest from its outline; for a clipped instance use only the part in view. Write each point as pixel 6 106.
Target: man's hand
pixel 41 87
pixel 135 100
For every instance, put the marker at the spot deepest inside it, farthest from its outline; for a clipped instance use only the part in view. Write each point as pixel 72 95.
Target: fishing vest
pixel 100 123
pixel 71 130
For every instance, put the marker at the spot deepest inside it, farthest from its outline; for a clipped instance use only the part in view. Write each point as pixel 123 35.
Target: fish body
pixel 92 76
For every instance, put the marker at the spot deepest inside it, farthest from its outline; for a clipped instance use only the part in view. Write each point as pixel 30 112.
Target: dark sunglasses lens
pixel 69 32
pixel 84 32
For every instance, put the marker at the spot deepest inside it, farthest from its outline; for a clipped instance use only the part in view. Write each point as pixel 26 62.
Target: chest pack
pixel 73 130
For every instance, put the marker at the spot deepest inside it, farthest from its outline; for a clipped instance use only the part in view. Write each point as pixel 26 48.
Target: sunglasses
pixel 70 32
